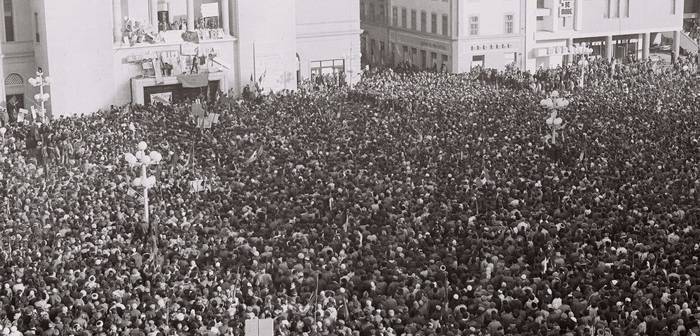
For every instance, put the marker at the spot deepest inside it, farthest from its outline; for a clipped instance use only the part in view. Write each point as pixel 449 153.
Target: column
pixel 225 16
pixel 153 11
pixel 3 94
pixel 117 20
pixel 570 56
pixel 556 21
pixel 578 15
pixel 609 47
pixel 677 43
pixel 646 38
pixel 190 15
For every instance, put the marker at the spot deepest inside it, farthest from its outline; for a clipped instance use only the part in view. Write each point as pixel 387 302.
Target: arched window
pixel 14 80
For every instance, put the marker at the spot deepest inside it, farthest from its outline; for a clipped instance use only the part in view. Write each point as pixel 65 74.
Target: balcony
pixel 139 66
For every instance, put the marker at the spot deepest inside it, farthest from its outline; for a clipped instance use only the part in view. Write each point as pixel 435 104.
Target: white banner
pixel 210 10
pixel 256 327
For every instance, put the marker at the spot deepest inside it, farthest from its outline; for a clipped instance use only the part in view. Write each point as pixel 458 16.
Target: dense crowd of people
pixel 415 203
pixel 692 29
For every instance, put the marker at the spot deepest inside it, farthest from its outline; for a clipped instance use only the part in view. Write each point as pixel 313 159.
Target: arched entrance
pixel 14 94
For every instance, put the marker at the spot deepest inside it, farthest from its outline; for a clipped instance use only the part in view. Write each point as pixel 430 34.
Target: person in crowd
pixel 415 203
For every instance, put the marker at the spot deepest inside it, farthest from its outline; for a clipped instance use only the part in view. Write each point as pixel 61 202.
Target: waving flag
pixel 255 155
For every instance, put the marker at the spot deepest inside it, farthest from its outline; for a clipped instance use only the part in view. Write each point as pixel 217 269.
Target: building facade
pixel 448 35
pixel 620 29
pixel 526 33
pixel 328 39
pixel 691 11
pixel 691 20
pixel 112 52
pixel 17 48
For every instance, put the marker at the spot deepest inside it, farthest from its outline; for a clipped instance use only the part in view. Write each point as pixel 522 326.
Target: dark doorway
pixel 14 103
pixel 15 99
pixel 180 94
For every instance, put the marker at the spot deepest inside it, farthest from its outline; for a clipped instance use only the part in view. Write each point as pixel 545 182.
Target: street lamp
pixel 143 160
pixel 42 97
pixel 583 63
pixel 554 103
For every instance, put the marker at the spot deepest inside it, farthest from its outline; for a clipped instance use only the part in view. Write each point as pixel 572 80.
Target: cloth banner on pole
pixel 194 80
pixel 197 110
pixel 158 73
pixel 204 122
pixel 196 186
pixel 163 97
pixel 22 115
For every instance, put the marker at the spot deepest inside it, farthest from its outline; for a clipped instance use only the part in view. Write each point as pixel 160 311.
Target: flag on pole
pixel 196 186
pixel 22 115
pixel 255 155
pixel 197 109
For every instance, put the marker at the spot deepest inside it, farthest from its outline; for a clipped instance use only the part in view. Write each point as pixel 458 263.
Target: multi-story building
pixel 691 12
pixel 691 20
pixel 17 50
pixel 111 52
pixel 328 38
pixel 528 33
pixel 450 35
pixel 621 29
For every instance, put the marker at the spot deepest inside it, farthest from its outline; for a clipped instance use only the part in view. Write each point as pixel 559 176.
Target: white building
pixel 454 34
pixel 691 20
pixel 328 38
pixel 528 33
pixel 621 29
pixel 97 58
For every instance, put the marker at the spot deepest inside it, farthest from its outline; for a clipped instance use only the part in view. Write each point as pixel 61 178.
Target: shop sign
pixel 566 8
pixel 497 46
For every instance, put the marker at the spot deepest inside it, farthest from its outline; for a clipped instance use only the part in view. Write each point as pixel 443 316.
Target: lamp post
pixel 554 103
pixel 42 97
pixel 143 160
pixel 583 63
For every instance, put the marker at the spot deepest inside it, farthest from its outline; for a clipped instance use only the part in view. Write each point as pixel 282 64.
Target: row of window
pixel 618 8
pixel 375 16
pixel 404 22
pixel 508 24
pixel 327 67
pixel 423 21
pixel 410 54
pixel 9 17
